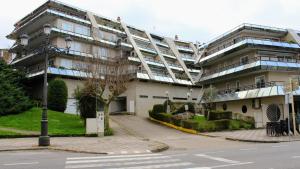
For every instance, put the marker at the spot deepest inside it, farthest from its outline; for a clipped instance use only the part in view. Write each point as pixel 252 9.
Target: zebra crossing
pixel 136 161
pixel 151 161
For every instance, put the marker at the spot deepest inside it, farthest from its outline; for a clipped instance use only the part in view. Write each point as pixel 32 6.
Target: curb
pixel 251 141
pixel 190 131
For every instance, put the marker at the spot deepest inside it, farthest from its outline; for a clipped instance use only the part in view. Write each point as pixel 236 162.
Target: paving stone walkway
pixel 257 135
pixel 121 143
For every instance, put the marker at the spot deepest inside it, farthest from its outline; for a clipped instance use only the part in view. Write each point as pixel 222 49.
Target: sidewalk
pixel 257 135
pixel 122 142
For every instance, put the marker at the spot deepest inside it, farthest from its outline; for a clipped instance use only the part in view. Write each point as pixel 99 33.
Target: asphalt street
pixel 248 156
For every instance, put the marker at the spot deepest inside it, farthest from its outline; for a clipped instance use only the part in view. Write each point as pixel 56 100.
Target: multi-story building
pixel 165 65
pixel 248 67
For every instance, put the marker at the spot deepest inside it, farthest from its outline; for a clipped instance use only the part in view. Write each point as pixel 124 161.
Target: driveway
pixel 177 140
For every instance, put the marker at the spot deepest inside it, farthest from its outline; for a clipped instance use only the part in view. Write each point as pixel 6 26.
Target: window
pixel 82 30
pixel 237 83
pixel 67 26
pixel 66 63
pixel 244 60
pixel 260 81
pixel 227 86
pixel 143 96
pixel 103 52
pixel 160 97
pixel 224 106
pixel 75 46
pixel 244 109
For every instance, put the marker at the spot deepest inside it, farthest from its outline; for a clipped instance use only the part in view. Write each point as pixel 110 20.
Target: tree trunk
pixel 106 116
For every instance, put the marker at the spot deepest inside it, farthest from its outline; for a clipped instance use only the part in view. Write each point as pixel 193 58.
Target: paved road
pixel 255 156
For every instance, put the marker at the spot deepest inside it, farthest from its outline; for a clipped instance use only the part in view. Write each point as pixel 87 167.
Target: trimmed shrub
pixel 219 115
pixel 176 120
pixel 85 103
pixel 57 95
pixel 234 125
pixel 158 108
pixel 207 126
pixel 190 124
pixel 221 124
pixel 166 117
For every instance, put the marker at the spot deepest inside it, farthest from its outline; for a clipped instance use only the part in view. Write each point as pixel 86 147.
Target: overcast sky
pixel 193 20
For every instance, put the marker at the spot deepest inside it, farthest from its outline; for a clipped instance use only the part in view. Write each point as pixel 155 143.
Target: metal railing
pixel 251 87
pixel 252 60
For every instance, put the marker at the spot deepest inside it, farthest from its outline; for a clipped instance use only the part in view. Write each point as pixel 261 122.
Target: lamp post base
pixel 44 141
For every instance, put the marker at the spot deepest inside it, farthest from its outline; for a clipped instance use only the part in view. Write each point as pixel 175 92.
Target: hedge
pixel 190 124
pixel 176 120
pixel 158 108
pixel 219 115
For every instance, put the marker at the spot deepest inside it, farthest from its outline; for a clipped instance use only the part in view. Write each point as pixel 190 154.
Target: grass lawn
pixel 59 123
pixel 9 133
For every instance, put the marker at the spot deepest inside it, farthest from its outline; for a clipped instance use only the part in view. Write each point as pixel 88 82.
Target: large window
pixel 76 46
pixel 65 63
pixel 67 26
pixel 244 60
pixel 82 30
pixel 260 81
pixel 103 52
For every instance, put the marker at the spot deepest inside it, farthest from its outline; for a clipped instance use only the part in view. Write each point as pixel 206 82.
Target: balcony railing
pixel 251 87
pixel 232 65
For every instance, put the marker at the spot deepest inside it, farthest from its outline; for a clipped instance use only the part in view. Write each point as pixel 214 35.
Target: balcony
pixel 184 48
pixel 260 62
pixel 252 91
pixel 186 57
pixel 154 62
pixel 249 41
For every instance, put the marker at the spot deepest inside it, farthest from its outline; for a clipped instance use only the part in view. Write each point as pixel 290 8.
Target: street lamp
pixel 44 139
pixel 168 108
pixel 24 39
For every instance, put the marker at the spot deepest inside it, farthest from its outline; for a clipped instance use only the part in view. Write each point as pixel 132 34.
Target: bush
pixel 86 103
pixel 190 124
pixel 219 115
pixel 191 108
pixel 207 126
pixel 234 125
pixel 176 120
pixel 222 124
pixel 57 95
pixel 158 108
pixel 13 99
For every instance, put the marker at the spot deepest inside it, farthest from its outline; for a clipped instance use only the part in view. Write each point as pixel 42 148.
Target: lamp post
pixel 168 107
pixel 44 139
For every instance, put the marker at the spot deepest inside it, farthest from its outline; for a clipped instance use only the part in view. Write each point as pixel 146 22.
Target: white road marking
pixel 116 156
pixel 218 159
pixel 248 149
pixel 118 159
pixel 148 151
pixel 220 166
pixel 296 157
pixel 157 166
pixel 136 152
pixel 123 163
pixel 279 146
pixel 124 152
pixel 11 164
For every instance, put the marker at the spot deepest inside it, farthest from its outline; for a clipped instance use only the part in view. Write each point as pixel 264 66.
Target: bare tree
pixel 107 78
pixel 209 95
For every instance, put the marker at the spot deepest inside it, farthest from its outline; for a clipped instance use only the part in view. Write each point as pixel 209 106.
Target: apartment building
pixel 248 67
pixel 165 66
